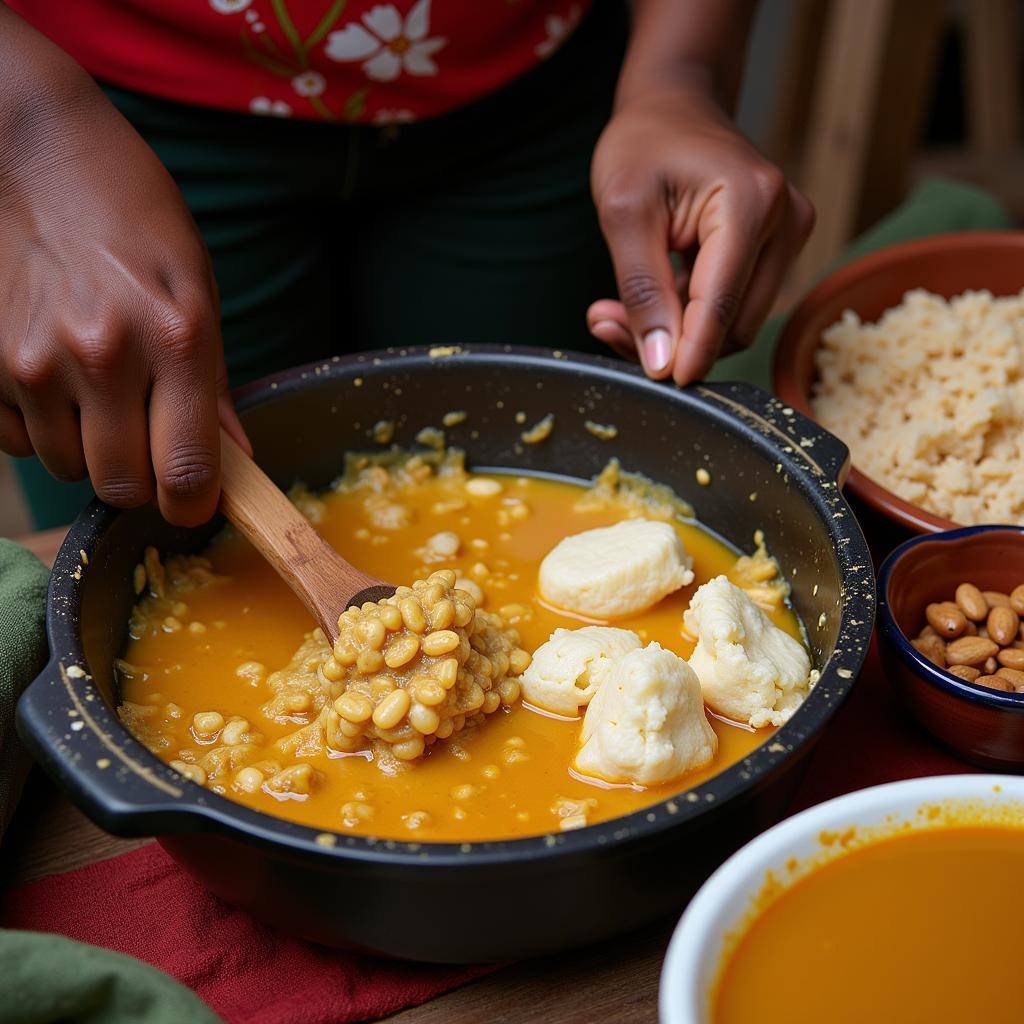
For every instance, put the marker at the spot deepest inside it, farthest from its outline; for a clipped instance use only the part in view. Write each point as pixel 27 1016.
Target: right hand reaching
pixel 111 361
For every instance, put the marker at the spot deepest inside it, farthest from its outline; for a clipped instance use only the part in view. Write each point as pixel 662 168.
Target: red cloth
pixel 143 904
pixel 247 972
pixel 380 61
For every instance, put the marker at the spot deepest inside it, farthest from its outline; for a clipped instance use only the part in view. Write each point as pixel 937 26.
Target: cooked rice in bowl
pixel 930 400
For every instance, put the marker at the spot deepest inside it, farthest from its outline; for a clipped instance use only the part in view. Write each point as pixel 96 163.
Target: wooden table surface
pixel 612 981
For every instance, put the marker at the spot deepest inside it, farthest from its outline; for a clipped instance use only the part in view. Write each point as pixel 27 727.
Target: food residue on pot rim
pixel 602 431
pixel 383 431
pixel 540 431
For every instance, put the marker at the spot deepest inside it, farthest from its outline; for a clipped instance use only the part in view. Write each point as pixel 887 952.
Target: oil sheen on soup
pixel 920 927
pixel 209 641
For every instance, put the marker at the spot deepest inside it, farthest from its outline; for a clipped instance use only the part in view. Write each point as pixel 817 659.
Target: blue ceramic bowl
pixel 983 726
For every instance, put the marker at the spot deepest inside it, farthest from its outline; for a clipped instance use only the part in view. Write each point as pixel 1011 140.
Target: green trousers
pixel 473 227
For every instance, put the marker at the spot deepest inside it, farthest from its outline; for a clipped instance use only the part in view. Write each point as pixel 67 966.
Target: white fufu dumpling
pixel 646 724
pixel 569 668
pixel 615 570
pixel 749 669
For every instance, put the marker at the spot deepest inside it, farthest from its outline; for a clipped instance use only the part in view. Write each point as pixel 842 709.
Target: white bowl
pixel 726 899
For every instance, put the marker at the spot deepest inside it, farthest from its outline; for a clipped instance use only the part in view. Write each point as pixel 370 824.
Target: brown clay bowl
pixel 944 264
pixel 983 726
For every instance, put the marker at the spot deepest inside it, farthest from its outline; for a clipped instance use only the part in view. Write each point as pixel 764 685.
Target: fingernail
pixel 657 349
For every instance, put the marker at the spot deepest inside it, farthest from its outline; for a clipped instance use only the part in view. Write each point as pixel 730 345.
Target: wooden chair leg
pixel 876 66
pixel 992 75
pixel 783 137
pixel 839 133
pixel 908 77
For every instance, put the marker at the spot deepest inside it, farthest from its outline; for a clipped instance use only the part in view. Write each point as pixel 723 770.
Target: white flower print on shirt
pixel 253 17
pixel 558 29
pixel 387 45
pixel 229 6
pixel 270 108
pixel 309 83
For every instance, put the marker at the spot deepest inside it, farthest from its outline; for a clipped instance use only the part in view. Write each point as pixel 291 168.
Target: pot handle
pixel 74 735
pixel 822 453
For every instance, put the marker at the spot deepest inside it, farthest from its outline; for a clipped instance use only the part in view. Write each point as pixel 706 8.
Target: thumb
pixel 637 236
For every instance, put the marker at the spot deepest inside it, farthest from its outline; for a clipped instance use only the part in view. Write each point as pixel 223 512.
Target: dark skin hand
pixel 111 362
pixel 671 175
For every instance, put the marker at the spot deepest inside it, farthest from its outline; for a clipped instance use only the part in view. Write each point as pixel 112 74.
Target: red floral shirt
pixel 339 60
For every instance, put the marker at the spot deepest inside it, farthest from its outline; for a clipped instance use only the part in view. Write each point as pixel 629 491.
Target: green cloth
pixel 936 206
pixel 23 580
pixel 49 979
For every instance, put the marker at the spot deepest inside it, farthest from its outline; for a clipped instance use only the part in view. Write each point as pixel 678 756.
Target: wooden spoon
pixel 324 582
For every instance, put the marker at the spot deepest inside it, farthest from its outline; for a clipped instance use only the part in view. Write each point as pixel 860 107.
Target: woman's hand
pixel 110 352
pixel 672 175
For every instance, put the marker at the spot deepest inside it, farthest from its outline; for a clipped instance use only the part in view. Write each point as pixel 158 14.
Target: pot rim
pixel 813 460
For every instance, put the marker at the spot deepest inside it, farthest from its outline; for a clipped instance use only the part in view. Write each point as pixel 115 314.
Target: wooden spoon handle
pixel 321 578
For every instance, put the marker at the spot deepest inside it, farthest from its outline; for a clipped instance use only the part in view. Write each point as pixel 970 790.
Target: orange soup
pixel 209 640
pixel 921 927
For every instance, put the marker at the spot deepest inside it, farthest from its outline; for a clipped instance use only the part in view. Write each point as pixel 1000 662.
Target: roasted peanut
pixel 971 650
pixel 996 598
pixel 994 683
pixel 933 649
pixel 971 602
pixel 1017 599
pixel 1002 625
pixel 1013 676
pixel 946 619
pixel 1011 657
pixel 965 672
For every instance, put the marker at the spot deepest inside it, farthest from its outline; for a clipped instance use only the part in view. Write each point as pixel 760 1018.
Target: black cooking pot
pixel 770 469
